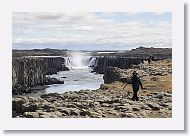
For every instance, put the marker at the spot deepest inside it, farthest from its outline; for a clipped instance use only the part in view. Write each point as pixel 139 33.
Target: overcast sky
pixel 91 31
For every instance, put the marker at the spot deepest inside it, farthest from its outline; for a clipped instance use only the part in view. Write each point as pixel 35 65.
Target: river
pixel 79 76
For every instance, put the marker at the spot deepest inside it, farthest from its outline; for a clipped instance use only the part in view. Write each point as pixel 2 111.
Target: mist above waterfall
pixel 77 59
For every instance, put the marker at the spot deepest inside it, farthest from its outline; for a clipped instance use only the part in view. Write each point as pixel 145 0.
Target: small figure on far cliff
pixel 136 82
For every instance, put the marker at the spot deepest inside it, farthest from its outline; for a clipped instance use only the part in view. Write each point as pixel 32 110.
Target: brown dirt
pixel 151 84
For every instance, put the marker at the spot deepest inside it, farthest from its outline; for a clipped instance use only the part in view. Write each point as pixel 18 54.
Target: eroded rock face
pixel 120 62
pixel 31 71
pixel 54 64
pixel 113 74
pixel 27 72
pixel 128 58
pixel 92 104
pixel 116 74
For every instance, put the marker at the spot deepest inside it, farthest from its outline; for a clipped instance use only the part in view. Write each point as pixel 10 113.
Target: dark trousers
pixel 135 91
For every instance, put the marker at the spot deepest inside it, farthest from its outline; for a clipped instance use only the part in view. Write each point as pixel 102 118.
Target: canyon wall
pixel 120 62
pixel 31 71
pixel 54 64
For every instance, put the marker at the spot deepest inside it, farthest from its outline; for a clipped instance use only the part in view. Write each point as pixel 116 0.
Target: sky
pixel 91 30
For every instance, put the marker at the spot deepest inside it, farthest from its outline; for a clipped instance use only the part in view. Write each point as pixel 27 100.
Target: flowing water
pixel 79 77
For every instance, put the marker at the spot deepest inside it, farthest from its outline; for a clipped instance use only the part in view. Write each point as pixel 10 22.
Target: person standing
pixel 136 83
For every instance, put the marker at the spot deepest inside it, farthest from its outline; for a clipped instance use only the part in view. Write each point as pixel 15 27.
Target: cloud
pixel 132 13
pixel 87 28
pixel 158 13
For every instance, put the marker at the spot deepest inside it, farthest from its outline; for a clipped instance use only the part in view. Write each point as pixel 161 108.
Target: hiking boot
pixel 137 99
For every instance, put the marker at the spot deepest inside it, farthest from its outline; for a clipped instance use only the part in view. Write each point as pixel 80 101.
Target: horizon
pixel 93 50
pixel 91 30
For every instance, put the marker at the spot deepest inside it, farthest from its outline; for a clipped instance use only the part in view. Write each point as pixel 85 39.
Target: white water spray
pixel 78 60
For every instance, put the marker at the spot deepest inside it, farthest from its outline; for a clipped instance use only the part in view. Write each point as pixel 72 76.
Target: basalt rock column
pixel 31 71
pixel 120 62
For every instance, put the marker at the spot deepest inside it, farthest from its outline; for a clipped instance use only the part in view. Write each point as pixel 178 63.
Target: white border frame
pixel 174 123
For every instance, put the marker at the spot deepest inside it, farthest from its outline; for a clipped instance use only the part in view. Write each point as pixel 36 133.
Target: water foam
pixel 78 60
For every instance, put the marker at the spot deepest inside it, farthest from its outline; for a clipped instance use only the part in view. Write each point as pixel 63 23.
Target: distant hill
pixel 39 52
pixel 142 52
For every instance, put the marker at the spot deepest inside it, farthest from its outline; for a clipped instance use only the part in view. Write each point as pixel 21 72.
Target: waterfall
pixel 79 60
pixel 92 62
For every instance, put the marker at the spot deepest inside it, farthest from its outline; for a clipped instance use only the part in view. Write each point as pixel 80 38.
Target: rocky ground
pixel 110 101
pixel 100 103
pixel 156 76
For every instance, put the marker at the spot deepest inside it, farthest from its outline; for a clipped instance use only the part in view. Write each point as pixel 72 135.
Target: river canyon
pixel 48 75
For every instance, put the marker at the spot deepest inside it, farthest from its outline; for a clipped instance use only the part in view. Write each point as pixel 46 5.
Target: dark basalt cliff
pixel 31 71
pixel 120 62
pixel 54 64
pixel 126 59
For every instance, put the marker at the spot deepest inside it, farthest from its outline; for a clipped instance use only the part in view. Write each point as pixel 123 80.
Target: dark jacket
pixel 136 82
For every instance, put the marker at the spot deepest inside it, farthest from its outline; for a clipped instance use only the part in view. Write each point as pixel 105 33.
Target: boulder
pixel 153 106
pixel 113 74
pixel 29 107
pixel 50 81
pixel 64 111
pixel 66 69
pixel 94 115
pixel 31 115
pixel 163 104
pixel 121 108
pixel 106 105
pixel 84 112
pixel 136 109
pixel 80 105
pixel 17 103
pixel 71 105
pixel 145 107
pixel 103 87
pixel 45 115
pixel 58 114
pixel 74 112
pixel 48 107
pixel 54 95
pixel 127 115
